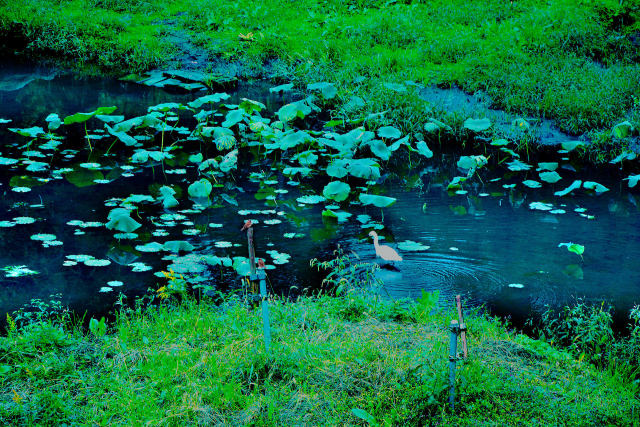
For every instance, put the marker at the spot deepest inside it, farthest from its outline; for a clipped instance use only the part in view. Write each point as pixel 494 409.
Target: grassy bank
pixel 576 62
pixel 353 359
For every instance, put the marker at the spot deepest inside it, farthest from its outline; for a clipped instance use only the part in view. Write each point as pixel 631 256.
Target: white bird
pixel 385 252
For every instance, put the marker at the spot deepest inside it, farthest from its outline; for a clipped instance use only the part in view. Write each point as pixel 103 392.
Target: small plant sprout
pixel 573 247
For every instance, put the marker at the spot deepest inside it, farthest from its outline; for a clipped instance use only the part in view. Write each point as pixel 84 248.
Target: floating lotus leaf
pixel 574 186
pixel 37 167
pixel 532 184
pixel 311 199
pixel 32 132
pixel 291 171
pixel 378 201
pixel 477 125
pixel 328 90
pixel 573 247
pixel 200 189
pixel 517 166
pixel 549 166
pixel 177 246
pixel 410 246
pixel 281 88
pixel 150 247
pixel 550 177
pixel 597 187
pixel 120 219
pixel 109 119
pixel 336 190
pixel 540 206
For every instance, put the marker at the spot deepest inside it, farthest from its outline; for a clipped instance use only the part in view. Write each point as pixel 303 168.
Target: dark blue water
pixel 487 244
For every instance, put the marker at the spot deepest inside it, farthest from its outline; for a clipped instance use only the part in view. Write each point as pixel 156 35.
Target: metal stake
pixel 463 327
pixel 265 308
pixel 454 329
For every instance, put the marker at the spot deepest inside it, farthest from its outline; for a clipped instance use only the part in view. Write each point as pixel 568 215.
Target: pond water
pixel 486 242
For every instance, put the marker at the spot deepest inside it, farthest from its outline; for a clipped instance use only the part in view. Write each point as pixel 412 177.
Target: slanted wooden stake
pixel 252 255
pixel 454 328
pixel 463 327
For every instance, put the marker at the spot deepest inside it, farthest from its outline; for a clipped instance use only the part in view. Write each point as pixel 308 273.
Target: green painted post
pixel 265 308
pixel 454 328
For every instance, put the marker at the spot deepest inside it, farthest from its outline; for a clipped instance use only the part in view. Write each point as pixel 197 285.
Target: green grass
pixel 189 363
pixel 575 63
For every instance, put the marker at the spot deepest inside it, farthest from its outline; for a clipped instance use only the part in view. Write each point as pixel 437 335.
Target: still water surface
pixel 487 244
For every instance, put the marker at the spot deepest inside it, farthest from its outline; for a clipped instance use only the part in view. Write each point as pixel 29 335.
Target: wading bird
pixel 385 252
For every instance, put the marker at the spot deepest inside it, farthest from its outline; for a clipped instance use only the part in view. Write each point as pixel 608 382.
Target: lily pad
pixel 337 190
pixel 477 125
pixel 378 201
pixel 550 177
pixel 574 186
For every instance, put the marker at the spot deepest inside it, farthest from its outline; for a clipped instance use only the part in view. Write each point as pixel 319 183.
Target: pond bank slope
pixel 574 63
pixel 334 361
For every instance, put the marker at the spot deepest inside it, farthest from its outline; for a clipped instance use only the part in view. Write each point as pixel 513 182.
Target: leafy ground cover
pixel 573 62
pixel 353 359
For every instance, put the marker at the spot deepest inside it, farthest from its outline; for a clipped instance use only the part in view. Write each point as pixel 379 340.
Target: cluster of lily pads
pixel 208 136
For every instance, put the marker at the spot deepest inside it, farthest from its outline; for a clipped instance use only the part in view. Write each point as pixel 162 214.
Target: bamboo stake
pixel 463 326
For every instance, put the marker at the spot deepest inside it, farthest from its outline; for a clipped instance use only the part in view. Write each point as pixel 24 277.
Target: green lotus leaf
pixel 249 106
pixel 328 90
pixel 573 247
pixel 177 246
pixel 307 158
pixel 336 190
pixel 83 117
pixel 597 187
pixel 422 148
pixel 378 201
pixel 311 199
pixel 200 189
pixel 215 98
pixel 517 166
pixel 622 130
pixel 364 168
pixel 574 186
pixel 633 180
pixel 389 132
pixel 572 145
pixel 120 219
pixel 477 125
pixel 32 132
pixel 128 140
pixel 380 149
pixel 550 177
pixel 281 88
pixel 233 117
pixel 53 121
pixel 532 184
pixel 549 166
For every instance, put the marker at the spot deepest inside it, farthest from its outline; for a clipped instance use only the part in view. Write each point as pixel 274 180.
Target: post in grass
pixel 265 307
pixel 454 329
